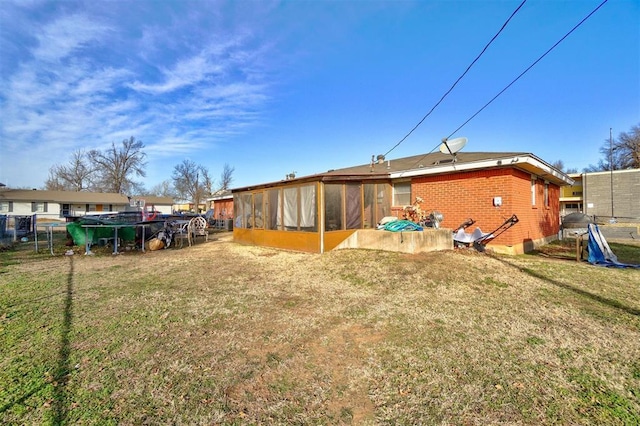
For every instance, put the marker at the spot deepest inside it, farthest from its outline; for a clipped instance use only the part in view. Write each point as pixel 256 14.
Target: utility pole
pixel 611 168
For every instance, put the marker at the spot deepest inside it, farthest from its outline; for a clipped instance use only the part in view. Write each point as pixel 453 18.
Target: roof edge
pixel 546 169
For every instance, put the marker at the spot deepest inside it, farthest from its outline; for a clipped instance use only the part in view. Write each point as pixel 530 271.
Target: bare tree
pixel 163 189
pixel 559 164
pixel 192 182
pixel 627 148
pixel 75 176
pixel 226 177
pixel 621 153
pixel 116 165
pixel 53 182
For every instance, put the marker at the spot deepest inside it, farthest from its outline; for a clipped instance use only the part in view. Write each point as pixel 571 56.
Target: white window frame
pixel 546 193
pixel 534 179
pixel 39 207
pixel 397 200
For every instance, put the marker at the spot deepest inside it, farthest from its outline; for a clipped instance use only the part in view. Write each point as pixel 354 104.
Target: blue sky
pixel 272 88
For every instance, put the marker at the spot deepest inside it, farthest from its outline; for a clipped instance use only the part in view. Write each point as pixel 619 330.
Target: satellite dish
pixel 452 146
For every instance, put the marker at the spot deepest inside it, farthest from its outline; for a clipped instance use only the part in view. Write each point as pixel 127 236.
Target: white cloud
pixel 88 79
pixel 185 73
pixel 67 34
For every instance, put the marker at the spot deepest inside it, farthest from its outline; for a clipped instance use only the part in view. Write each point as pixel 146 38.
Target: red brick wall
pixel 459 196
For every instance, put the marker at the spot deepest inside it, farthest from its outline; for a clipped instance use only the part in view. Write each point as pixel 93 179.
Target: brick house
pixel 318 213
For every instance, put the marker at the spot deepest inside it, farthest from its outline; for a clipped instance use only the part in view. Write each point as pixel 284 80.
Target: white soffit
pixel 528 163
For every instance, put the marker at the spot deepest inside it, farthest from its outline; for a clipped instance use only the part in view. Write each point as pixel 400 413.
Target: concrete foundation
pixel 405 242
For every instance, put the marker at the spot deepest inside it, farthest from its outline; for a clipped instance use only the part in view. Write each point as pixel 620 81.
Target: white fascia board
pixel 452 167
pixel 549 171
pixel 542 168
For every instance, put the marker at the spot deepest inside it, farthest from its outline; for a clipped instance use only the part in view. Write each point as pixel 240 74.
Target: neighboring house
pixel 62 204
pixel 317 213
pixel 187 207
pixel 222 205
pixel 604 195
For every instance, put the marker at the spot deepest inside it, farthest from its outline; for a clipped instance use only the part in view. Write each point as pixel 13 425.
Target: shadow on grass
pixel 609 302
pixel 23 398
pixel 60 405
pixel 62 371
pixel 37 299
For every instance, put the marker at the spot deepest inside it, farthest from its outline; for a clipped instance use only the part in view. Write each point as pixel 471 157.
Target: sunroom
pixel 312 214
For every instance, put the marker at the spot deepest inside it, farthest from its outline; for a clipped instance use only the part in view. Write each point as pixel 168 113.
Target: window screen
pixel 354 206
pixel 242 204
pixel 258 210
pixel 383 201
pixel 333 207
pixel 308 208
pixel 369 192
pixel 290 206
pixel 273 209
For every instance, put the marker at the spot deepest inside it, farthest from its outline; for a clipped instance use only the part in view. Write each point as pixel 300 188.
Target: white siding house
pixel 57 205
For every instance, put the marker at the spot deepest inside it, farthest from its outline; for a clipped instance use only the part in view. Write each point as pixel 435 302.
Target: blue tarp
pixel 600 253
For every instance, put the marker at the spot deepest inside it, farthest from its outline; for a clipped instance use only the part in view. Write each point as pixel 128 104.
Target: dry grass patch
pixel 222 333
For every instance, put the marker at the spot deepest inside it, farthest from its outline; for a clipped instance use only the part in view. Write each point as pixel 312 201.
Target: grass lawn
pixel 222 333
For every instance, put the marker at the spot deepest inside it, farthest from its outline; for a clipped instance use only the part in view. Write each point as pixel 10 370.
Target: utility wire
pixel 526 70
pixel 459 78
pixel 417 163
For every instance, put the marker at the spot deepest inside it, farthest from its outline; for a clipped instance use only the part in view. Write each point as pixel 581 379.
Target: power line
pixel 459 78
pixel 528 68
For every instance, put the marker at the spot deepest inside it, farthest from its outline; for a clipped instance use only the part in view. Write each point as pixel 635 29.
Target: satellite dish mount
pixel 452 146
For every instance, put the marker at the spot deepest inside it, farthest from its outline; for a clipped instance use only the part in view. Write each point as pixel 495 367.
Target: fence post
pixel 34 226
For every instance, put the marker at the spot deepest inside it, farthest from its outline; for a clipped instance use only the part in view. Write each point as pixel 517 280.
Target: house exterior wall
pixel 460 196
pixel 19 208
pixel 223 209
pixel 54 210
pixel 188 208
pixel 56 205
pixel 571 197
pixel 624 185
pixel 572 192
pixel 488 189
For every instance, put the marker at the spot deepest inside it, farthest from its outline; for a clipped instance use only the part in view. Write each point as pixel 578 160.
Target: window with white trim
pixel 402 194
pixel 39 207
pixel 533 190
pixel 546 194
